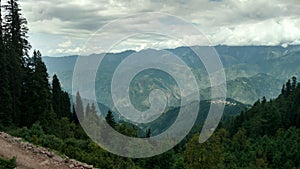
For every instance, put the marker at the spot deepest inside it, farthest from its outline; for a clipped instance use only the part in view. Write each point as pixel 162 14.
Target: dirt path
pixel 33 157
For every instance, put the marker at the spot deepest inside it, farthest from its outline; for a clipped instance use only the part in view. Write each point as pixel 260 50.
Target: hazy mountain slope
pixel 232 108
pixel 241 63
pixel 249 90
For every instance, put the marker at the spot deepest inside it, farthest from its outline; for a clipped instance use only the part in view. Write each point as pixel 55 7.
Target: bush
pixel 52 142
pixel 19 132
pixel 8 164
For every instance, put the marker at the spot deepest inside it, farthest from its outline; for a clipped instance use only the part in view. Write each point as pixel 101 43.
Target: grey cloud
pixel 224 21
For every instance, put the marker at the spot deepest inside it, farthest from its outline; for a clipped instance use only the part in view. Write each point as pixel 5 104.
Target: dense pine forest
pixel 267 135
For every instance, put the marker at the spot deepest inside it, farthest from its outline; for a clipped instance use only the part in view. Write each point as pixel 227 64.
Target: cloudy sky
pixel 60 27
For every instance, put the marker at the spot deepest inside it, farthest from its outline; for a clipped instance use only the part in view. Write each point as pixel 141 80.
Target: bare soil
pixel 32 157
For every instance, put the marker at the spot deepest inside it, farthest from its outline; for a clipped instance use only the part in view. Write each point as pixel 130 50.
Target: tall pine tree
pixel 79 108
pixel 88 110
pixel 110 119
pixel 43 87
pixel 294 82
pixel 5 97
pixel 56 96
pixel 66 105
pixel 60 100
pixel 17 46
pixel 37 104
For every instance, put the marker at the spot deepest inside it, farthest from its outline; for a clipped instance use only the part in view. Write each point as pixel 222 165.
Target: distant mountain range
pixel 251 71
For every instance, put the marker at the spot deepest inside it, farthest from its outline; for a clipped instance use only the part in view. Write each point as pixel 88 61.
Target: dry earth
pixel 32 157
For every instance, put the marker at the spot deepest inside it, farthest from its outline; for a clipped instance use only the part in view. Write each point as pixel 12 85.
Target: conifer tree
pixel 66 105
pixel 288 87
pixel 17 46
pixel 5 99
pixel 79 108
pixel 1 33
pixel 264 100
pixel 60 100
pixel 93 109
pixel 110 119
pixel 283 90
pixel 88 110
pixel 148 133
pixel 37 96
pixel 56 96
pixel 16 29
pixel 294 83
pixel 74 116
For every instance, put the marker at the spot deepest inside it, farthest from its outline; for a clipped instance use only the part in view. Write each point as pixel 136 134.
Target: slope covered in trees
pixel 35 110
pixel 265 136
pixel 26 95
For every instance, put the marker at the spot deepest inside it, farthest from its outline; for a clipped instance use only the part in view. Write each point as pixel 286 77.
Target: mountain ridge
pixel 239 62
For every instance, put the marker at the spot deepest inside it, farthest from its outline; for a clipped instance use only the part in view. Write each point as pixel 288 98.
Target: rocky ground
pixel 33 157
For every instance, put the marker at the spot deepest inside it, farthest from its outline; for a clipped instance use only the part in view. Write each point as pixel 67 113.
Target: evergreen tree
pixel 205 155
pixel 74 116
pixel 79 108
pixel 17 46
pixel 41 76
pixel 91 113
pixel 29 97
pixel 288 87
pixel 56 96
pixel 66 105
pixel 110 119
pixel 5 96
pixel 148 133
pixel 264 100
pixel 93 109
pixel 283 90
pixel 1 32
pixel 37 96
pixel 88 110
pixel 16 28
pixel 294 83
pixel 60 100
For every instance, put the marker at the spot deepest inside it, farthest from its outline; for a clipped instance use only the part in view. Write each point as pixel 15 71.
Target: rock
pixel 45 162
pixel 58 159
pixel 86 166
pixel 50 154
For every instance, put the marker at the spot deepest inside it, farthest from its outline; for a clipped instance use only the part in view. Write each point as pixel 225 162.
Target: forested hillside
pixel 267 135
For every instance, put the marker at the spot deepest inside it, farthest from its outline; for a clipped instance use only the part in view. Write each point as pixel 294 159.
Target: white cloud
pixel 231 22
pixel 273 31
pixel 65 44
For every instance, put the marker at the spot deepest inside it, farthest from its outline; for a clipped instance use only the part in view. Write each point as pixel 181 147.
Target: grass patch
pixel 8 164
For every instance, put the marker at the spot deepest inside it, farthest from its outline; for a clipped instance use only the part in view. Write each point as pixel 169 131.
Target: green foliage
pixel 5 99
pixel 79 109
pixel 265 136
pixel 167 160
pixel 110 119
pixel 148 133
pixel 8 164
pixel 207 155
pixel 40 113
pixel 36 97
pixel 60 100
pixel 52 142
pixel 13 50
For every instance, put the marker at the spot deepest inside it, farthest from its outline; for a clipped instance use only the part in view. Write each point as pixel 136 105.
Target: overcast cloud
pixel 60 27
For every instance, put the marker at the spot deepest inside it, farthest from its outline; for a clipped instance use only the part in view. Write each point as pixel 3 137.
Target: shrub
pixel 8 164
pixel 52 142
